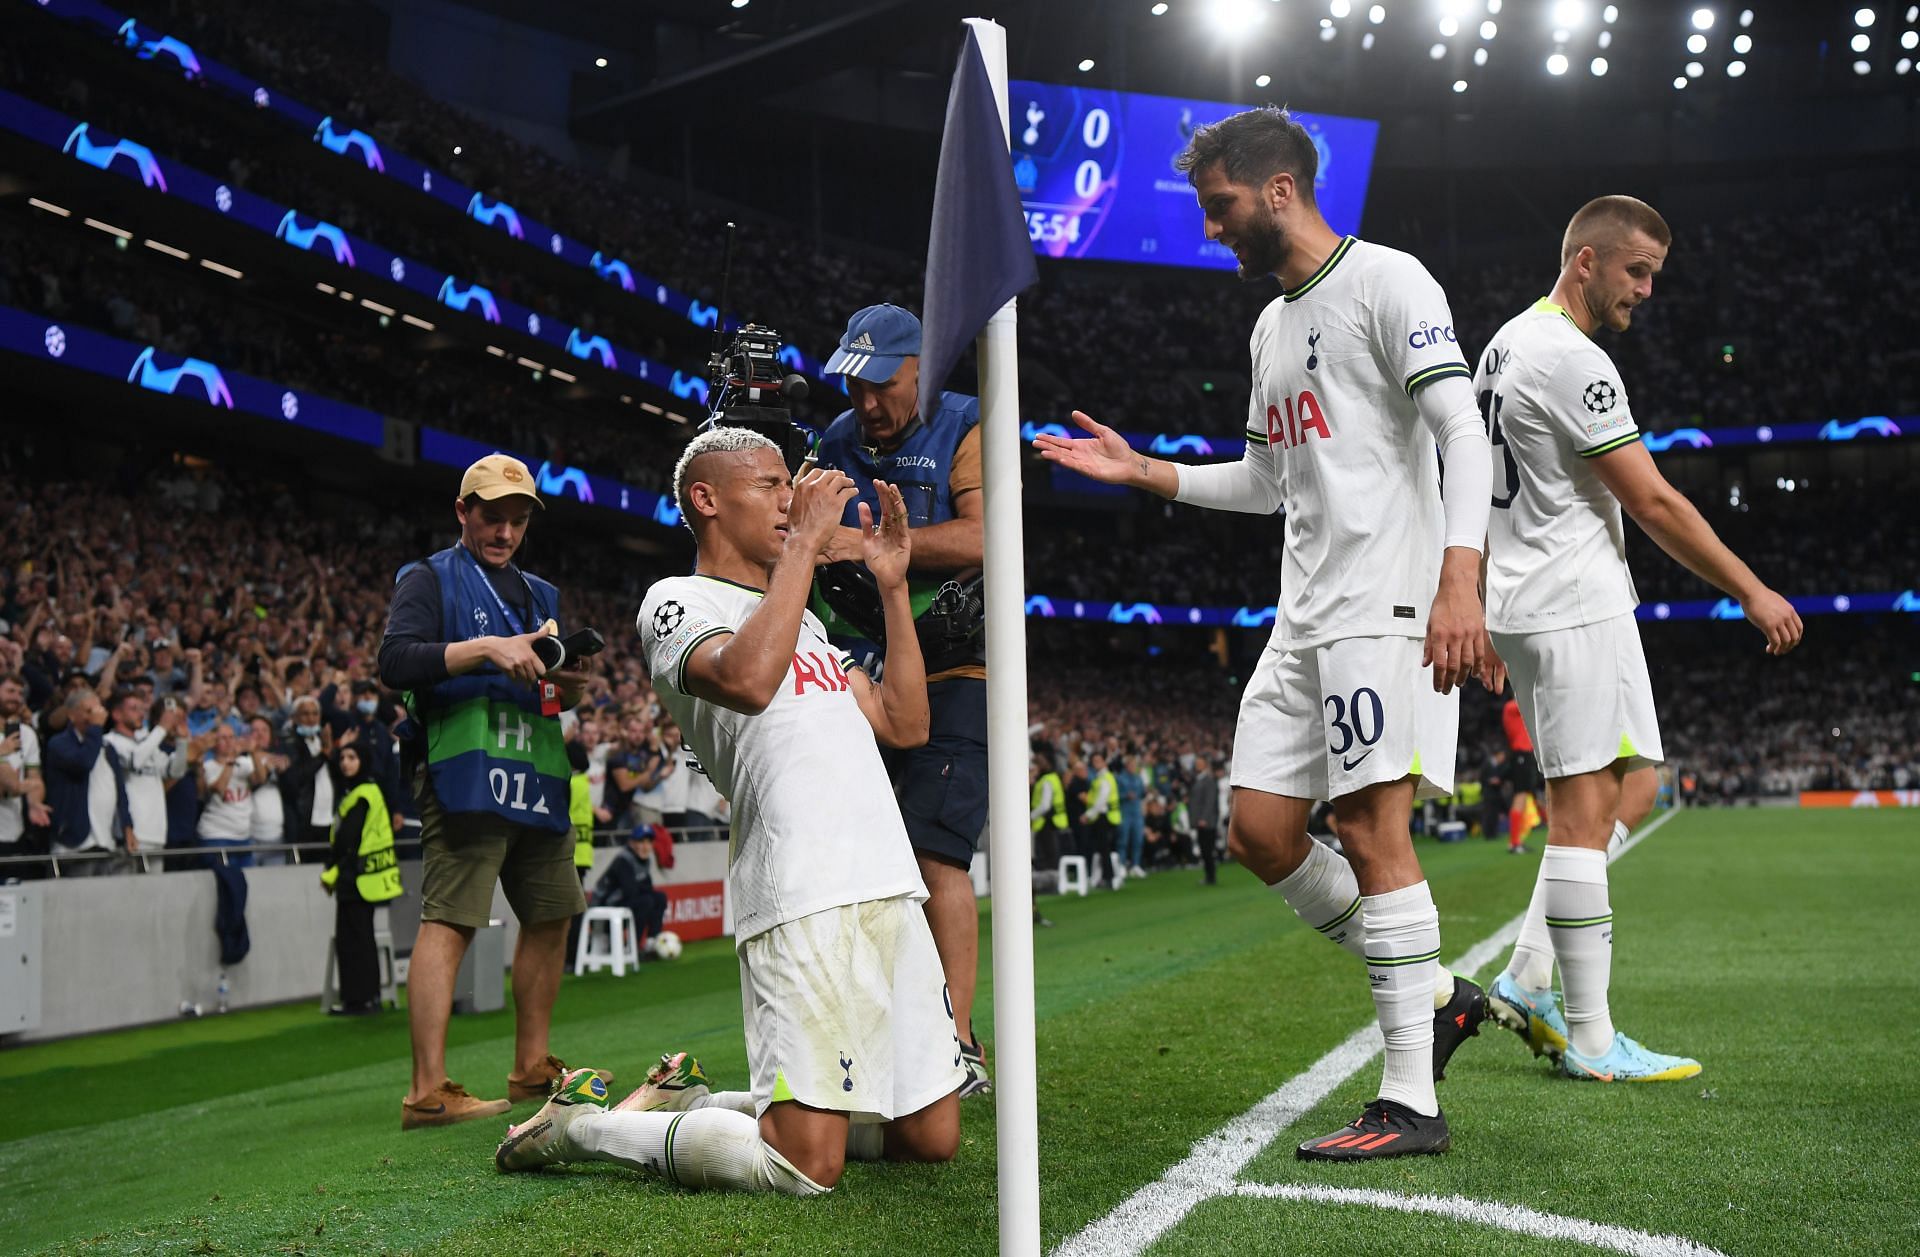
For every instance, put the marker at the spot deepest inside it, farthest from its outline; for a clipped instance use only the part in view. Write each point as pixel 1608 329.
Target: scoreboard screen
pixel 1096 176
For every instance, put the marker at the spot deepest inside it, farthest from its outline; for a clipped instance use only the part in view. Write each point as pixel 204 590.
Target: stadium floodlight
pixel 1449 26
pixel 1909 38
pixel 1743 44
pixel 1230 17
pixel 1679 82
pixel 1862 42
pixel 1437 51
pixel 1366 41
pixel 1479 56
pixel 740 4
pixel 1736 68
pixel 1327 33
pixel 456 150
pixel 1695 69
pixel 1598 66
pixel 1159 10
pixel 1339 8
pixel 1493 7
pixel 1561 35
pixel 1263 80
pixel 1746 17
pixel 1606 39
pixel 1557 64
pixel 1326 23
pixel 1696 44
pixel 1489 29
pixel 1863 17
pixel 1913 13
pixel 1902 66
pixel 600 62
pixel 1569 13
pixel 1377 14
pixel 1703 19
pixel 1086 64
pixel 1610 14
pixel 1861 67
pixel 1459 85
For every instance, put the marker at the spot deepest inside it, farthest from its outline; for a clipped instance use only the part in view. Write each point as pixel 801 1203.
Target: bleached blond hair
pixel 717 440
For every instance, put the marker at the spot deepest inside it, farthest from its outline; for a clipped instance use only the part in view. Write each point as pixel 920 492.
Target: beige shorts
pixel 846 1009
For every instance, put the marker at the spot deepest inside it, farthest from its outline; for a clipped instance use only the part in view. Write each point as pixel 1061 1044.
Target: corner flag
pixel 978 254
pixel 978 258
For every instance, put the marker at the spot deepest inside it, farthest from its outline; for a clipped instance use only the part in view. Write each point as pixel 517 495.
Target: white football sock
pixel 1616 842
pixel 704 1148
pixel 1403 949
pixel 736 1101
pixel 1323 893
pixel 866 1141
pixel 1581 923
pixel 1531 964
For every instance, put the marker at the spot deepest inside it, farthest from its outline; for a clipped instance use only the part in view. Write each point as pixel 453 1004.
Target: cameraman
pixel 934 460
pixel 488 767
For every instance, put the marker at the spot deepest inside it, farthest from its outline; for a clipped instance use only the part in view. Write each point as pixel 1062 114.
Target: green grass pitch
pixel 1770 944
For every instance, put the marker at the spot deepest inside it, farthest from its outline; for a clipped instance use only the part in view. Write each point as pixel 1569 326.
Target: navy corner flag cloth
pixel 979 256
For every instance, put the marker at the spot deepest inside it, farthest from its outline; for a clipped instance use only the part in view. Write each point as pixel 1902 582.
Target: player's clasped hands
pixel 820 499
pixel 1106 457
pixel 886 546
pixel 1776 619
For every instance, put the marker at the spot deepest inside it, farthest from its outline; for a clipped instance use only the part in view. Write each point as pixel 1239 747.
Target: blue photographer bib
pixel 489 748
pixel 921 467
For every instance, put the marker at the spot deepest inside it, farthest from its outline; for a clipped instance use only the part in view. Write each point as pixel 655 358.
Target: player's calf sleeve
pixel 1619 840
pixel 1323 893
pixel 706 1149
pixel 1581 923
pixel 1403 950
pixel 1531 964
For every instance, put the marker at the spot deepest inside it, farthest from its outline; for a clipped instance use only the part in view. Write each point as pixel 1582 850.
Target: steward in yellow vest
pixel 361 873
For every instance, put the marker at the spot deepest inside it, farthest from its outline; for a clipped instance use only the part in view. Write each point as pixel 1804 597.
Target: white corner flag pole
pixel 1015 1073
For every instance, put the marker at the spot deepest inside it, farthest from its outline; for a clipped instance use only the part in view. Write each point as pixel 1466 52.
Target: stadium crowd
pixel 226 619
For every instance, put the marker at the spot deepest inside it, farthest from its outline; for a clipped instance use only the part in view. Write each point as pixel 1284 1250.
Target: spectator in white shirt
pixel 143 762
pixel 227 779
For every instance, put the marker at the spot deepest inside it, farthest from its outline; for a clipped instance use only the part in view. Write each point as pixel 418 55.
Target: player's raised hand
pixel 1104 455
pixel 1776 619
pixel 887 546
pixel 820 498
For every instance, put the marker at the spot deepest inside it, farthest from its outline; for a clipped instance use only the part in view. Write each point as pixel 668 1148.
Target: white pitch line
pixel 1518 1218
pixel 1210 1168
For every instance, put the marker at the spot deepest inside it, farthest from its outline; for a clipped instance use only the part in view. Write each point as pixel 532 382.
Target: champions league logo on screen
pixel 102 156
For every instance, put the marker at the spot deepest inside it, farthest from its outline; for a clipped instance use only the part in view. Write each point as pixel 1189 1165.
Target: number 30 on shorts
pixel 1358 719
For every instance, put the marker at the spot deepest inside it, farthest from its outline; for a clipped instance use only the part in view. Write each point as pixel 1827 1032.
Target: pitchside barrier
pixel 133 949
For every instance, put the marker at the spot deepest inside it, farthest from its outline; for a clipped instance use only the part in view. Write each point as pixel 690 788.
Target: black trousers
pixel 1204 836
pixel 353 946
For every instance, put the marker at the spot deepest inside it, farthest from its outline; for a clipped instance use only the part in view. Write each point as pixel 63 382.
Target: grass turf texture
pixel 1755 940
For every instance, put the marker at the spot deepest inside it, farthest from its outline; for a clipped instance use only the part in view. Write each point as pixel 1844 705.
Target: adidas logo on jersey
pixel 862 344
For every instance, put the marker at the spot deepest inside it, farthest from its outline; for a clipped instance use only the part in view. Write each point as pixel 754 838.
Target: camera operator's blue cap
pixel 876 341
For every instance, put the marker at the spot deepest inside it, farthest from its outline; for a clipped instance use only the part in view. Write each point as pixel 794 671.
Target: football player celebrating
pixel 1560 606
pixel 1356 372
pixel 853 1056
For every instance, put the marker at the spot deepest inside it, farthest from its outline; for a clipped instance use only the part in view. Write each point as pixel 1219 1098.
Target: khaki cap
pixel 499 476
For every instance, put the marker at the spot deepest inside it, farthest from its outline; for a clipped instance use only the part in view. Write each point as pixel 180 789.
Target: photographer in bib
pixel 934 461
pixel 475 643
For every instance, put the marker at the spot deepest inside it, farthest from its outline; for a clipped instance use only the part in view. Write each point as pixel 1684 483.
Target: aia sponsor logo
pixel 822 672
pixel 1301 419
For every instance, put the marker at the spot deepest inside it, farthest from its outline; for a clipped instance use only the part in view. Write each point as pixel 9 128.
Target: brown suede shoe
pixel 447 1104
pixel 539 1084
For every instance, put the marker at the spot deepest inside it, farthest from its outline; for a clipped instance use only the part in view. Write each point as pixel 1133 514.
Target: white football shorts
pixel 1585 695
pixel 847 1009
pixel 1325 722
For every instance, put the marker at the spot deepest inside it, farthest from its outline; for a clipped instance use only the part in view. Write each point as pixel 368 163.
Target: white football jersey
pixel 1556 547
pixel 1336 364
pixel 815 824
